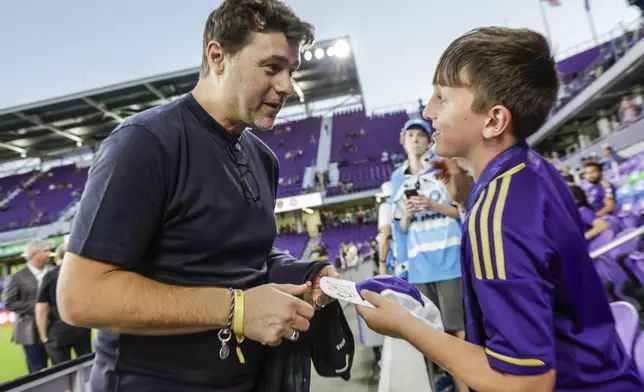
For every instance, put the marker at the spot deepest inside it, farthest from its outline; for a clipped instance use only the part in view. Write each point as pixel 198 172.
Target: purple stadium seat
pixel 293 243
pixel 626 322
pixel 638 354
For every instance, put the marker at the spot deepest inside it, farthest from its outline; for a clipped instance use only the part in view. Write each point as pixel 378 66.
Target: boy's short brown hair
pixel 510 67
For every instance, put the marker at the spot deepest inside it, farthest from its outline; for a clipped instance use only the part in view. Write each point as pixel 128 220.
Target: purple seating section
pixel 363 176
pixel 381 133
pixel 357 146
pixel 356 233
pixel 578 71
pixel 293 243
pixel 8 184
pixel 289 138
pixel 44 201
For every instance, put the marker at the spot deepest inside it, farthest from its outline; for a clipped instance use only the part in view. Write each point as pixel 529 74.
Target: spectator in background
pixel 601 193
pixel 59 338
pixel 638 97
pixel 319 252
pixel 610 155
pixel 604 125
pixel 627 110
pixel 19 296
pixel 432 224
pixel 592 225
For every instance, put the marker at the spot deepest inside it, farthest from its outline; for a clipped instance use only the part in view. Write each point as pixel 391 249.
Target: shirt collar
pixel 36 272
pixel 506 160
pixel 427 159
pixel 207 121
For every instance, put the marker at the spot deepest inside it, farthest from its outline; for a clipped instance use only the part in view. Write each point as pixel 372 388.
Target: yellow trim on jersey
pixel 471 229
pixel 497 226
pixel 515 361
pixel 485 234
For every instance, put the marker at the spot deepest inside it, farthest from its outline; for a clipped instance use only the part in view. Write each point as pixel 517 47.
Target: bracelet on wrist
pixel 238 322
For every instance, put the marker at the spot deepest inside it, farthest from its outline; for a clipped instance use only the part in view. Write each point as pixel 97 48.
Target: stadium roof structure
pixel 604 93
pixel 54 126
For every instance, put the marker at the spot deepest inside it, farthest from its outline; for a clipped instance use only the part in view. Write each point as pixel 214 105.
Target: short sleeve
pixel 609 193
pixel 123 202
pixel 510 264
pixel 384 215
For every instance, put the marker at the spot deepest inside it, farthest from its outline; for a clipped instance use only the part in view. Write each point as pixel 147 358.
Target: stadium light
pixel 330 51
pixel 342 48
pixel 308 55
pixel 319 53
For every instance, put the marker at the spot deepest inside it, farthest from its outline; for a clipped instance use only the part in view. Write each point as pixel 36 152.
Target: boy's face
pixel 416 142
pixel 458 130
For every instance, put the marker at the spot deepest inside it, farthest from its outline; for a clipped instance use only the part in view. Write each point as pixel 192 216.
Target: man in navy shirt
pixel 171 249
pixel 536 315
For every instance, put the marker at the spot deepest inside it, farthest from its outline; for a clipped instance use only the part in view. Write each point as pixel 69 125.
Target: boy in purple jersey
pixel 537 318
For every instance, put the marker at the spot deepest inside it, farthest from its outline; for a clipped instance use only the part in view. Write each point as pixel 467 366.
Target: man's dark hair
pixel 233 23
pixel 503 66
pixel 594 164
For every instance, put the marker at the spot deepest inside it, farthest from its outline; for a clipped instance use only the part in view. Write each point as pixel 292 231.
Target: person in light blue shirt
pixel 430 221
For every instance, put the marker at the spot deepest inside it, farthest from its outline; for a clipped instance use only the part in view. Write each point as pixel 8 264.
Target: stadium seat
pixel 626 322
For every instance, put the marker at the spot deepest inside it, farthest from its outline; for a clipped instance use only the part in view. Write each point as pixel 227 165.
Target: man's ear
pixel 498 121
pixel 216 56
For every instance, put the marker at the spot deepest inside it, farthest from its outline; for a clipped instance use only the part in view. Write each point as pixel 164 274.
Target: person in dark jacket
pixel 59 338
pixel 171 252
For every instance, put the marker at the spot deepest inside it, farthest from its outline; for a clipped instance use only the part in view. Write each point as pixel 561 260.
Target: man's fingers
pixel 301 324
pixel 292 289
pixel 304 309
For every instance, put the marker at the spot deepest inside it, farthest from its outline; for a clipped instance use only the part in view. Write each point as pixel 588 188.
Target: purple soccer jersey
pixel 598 193
pixel 532 296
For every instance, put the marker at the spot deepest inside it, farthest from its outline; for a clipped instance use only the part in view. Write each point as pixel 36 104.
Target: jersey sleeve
pixel 123 202
pixel 510 260
pixel 609 190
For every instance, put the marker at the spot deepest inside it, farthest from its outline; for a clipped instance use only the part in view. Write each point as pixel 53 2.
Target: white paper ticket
pixel 343 290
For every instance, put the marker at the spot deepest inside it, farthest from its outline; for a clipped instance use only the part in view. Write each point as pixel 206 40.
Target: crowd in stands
pixel 581 70
pixel 39 198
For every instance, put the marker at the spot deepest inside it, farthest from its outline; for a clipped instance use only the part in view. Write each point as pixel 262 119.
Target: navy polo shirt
pixel 172 196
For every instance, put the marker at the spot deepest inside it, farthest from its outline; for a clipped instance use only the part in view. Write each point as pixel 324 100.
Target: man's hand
pixel 273 311
pixel 388 318
pixel 457 181
pixel 317 296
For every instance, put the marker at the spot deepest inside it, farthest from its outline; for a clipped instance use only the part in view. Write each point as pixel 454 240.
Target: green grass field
pixel 12 358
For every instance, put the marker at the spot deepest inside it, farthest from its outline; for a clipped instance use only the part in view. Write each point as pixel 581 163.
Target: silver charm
pixel 224 336
pixel 224 351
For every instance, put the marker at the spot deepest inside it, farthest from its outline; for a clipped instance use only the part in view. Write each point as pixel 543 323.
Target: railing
pixel 72 376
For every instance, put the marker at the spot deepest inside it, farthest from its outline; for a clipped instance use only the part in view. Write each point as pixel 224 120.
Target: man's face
pixel 457 128
pixel 258 79
pixel 592 174
pixel 40 258
pixel 416 142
